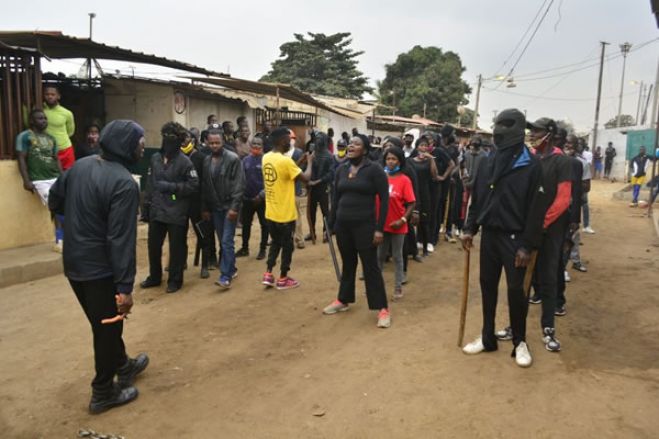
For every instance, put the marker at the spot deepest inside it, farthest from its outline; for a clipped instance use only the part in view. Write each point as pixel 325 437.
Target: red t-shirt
pixel 401 193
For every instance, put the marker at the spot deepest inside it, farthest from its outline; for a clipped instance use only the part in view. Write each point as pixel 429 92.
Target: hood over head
pixel 509 128
pixel 119 140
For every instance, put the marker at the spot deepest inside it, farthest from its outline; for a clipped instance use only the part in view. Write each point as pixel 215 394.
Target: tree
pixel 626 120
pixel 322 64
pixel 425 75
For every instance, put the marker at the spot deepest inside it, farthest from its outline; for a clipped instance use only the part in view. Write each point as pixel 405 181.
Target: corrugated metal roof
pixel 285 91
pixel 56 45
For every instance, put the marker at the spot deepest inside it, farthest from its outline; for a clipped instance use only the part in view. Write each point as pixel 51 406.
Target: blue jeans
pixel 226 231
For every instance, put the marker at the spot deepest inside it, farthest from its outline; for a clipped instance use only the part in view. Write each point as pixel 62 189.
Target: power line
pixel 554 98
pixel 519 43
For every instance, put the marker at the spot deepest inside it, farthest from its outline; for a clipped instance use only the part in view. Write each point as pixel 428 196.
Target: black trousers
pixel 547 266
pixel 247 216
pixel 177 251
pixel 423 231
pixel 435 211
pixel 282 240
pixel 608 164
pixel 317 196
pixel 498 251
pixel 409 249
pixel 98 302
pixel 356 239
pixel 204 236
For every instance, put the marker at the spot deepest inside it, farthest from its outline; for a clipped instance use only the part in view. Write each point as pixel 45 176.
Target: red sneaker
pixel 286 283
pixel 268 280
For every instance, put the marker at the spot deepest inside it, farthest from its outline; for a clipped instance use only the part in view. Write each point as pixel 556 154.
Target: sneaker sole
pixel 552 350
pixel 224 287
pixel 335 311
pixel 286 288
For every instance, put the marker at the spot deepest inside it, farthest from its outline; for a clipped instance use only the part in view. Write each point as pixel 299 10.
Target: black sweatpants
pixel 177 251
pixel 282 240
pixel 546 269
pixel 356 239
pixel 98 302
pixel 247 217
pixel 318 196
pixel 498 251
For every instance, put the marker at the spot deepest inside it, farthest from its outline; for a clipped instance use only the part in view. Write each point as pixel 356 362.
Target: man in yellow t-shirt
pixel 279 175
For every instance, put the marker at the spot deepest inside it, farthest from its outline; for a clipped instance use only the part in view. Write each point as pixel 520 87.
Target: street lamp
pixel 92 15
pixel 624 48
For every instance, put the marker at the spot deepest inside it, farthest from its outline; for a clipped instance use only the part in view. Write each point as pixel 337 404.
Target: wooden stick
pixel 528 275
pixel 465 296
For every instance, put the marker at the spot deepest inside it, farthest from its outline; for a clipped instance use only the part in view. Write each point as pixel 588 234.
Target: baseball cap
pixel 544 123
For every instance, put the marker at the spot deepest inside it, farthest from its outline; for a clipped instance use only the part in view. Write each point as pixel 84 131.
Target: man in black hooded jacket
pixel 508 204
pixel 171 184
pixel 100 199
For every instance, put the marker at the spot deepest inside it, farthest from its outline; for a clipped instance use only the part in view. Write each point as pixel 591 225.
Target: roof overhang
pixel 55 45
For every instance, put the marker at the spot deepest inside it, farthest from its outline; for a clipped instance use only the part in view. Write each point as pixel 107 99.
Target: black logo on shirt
pixel 269 175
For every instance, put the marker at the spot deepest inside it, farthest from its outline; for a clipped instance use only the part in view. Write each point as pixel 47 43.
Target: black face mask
pixel 170 145
pixel 509 128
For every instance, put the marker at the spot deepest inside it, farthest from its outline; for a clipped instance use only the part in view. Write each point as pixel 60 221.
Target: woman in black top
pixel 426 173
pixel 358 229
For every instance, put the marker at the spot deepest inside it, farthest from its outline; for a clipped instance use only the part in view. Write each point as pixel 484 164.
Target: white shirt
pixel 588 156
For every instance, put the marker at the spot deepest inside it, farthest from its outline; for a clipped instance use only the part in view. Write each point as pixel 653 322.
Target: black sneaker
pixel 103 401
pixel 560 311
pixel 133 367
pixel 580 267
pixel 549 338
pixel 505 334
pixel 172 288
pixel 204 273
pixel 150 283
pixel 242 253
pixel 261 254
pixel 535 299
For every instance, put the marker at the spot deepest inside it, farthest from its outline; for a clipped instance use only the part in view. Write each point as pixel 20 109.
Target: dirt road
pixel 255 363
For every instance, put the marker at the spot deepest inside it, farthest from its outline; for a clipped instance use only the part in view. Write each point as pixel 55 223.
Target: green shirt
pixel 41 150
pixel 60 125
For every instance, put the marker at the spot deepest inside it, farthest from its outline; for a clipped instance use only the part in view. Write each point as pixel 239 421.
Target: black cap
pixel 544 123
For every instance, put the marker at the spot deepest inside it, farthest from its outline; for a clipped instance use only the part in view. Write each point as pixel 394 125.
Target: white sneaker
pixel 589 230
pixel 567 276
pixel 522 355
pixel 59 246
pixel 419 246
pixel 431 248
pixel 475 347
pixel 335 307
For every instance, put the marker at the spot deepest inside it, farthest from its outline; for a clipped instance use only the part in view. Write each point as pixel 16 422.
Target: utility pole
pixel 641 90
pixel 599 96
pixel 655 98
pixel 92 15
pixel 474 122
pixel 624 48
pixel 424 110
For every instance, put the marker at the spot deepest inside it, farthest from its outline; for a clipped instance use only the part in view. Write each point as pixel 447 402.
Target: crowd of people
pixel 392 200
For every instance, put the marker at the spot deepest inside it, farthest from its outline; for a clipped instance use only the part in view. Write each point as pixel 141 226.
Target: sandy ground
pixel 255 363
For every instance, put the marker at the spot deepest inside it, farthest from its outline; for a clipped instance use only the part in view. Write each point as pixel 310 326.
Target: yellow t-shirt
pixel 279 173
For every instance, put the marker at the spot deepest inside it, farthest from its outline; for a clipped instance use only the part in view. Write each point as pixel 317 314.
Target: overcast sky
pixel 243 38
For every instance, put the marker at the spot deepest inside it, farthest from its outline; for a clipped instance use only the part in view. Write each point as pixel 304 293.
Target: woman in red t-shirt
pixel 401 204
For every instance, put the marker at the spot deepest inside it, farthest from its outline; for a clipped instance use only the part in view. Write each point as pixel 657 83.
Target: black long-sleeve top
pixel 354 197
pixel 515 204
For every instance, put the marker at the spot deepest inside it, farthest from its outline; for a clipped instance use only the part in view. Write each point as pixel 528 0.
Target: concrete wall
pixel 327 119
pixel 619 170
pixel 152 105
pixel 24 220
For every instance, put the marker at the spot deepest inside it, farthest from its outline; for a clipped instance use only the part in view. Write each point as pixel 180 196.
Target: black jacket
pixel 223 187
pixel 99 198
pixel 515 204
pixel 169 189
pixel 577 190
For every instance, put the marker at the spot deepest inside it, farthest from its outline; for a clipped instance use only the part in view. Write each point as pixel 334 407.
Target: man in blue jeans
pixel 222 192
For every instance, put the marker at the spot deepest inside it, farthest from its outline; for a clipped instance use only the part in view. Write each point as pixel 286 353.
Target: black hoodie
pixel 99 199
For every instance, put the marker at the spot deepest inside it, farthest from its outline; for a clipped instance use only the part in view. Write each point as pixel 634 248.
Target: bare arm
pixel 22 168
pixel 305 176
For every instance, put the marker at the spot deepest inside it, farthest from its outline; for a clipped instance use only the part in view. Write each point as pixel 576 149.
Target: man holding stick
pixel 508 203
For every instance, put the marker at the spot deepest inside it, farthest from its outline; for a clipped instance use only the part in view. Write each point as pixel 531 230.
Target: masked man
pixel 508 205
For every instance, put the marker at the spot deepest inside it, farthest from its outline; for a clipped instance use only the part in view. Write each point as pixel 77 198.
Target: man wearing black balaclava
pixel 100 200
pixel 171 183
pixel 508 204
